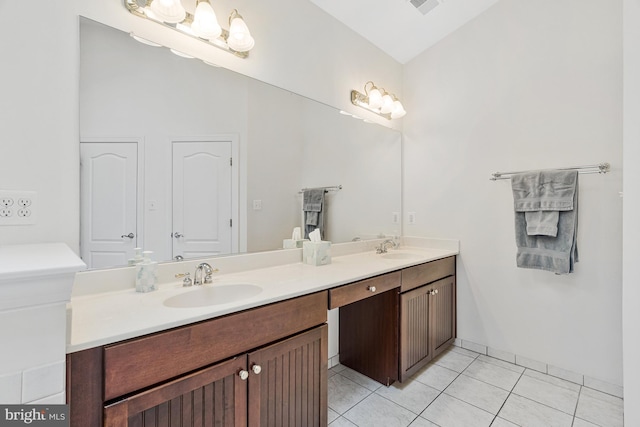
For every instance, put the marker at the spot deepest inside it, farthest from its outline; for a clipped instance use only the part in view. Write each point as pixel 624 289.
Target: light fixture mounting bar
pixel 136 9
pixel 361 100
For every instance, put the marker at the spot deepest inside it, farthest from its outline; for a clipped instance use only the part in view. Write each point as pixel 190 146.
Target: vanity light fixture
pixel 239 38
pixel 378 101
pixel 202 24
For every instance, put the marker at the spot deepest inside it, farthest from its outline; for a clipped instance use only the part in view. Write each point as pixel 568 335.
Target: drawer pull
pixel 371 288
pixel 256 369
pixel 243 375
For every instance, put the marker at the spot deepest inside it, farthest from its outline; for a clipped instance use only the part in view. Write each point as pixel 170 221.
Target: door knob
pixel 177 235
pixel 130 235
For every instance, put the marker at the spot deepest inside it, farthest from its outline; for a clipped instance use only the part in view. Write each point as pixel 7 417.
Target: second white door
pixel 202 197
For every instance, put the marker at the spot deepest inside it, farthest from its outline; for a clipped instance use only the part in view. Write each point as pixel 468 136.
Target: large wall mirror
pixel 159 131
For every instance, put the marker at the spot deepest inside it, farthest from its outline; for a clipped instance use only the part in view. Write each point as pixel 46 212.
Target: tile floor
pixel 462 388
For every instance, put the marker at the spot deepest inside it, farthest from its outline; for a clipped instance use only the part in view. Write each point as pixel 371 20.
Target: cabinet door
pixel 288 382
pixel 443 308
pixel 212 396
pixel 415 318
pixel 427 324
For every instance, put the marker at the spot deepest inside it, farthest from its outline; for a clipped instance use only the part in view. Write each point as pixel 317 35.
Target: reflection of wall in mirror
pixel 286 142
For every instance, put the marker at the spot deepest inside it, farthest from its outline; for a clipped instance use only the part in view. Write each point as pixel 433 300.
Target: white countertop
pixel 36 260
pixel 36 274
pixel 109 317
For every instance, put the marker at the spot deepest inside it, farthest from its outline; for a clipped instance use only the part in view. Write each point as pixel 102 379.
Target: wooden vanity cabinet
pixel 195 375
pixel 427 313
pixel 390 335
pixel 368 335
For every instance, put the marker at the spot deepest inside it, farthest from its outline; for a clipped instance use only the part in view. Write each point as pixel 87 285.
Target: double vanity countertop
pixel 105 316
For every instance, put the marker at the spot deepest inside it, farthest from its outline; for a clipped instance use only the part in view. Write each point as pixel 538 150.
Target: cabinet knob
pixel 243 375
pixel 435 291
pixel 256 369
pixel 372 288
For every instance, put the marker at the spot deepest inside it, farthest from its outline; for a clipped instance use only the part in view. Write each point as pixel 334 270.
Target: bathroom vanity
pixel 264 363
pixel 408 318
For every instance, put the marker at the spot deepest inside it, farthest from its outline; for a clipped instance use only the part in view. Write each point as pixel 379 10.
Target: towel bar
pixel 326 189
pixel 599 168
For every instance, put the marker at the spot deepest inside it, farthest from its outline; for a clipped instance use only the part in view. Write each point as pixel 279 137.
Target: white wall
pixel 526 85
pixel 39 110
pixel 631 267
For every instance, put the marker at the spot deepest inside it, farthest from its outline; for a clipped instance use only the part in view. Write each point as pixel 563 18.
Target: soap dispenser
pixel 137 257
pixel 146 273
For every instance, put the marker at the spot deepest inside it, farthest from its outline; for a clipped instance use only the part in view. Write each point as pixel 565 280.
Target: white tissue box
pixel 293 244
pixel 316 253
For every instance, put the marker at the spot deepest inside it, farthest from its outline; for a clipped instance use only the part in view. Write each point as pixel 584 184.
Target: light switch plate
pixel 18 207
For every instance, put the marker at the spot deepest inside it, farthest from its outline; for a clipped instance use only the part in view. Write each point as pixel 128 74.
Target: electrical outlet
pixel 24 202
pixel 411 217
pixel 18 207
pixel 257 205
pixel 395 217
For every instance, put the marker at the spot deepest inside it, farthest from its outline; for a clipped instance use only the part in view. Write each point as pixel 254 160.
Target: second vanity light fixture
pixel 203 24
pixel 378 101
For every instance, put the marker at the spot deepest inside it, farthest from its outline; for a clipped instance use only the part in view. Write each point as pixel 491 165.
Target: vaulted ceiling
pixel 404 28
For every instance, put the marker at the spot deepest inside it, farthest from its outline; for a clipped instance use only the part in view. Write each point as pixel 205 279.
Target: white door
pixel 108 197
pixel 201 198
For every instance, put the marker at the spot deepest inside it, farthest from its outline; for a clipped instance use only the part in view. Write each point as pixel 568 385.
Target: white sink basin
pixel 213 295
pixel 400 255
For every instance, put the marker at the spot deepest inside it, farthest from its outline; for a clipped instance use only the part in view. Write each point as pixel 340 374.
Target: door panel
pixel 444 314
pixel 201 198
pixel 108 197
pixel 214 396
pixel 291 388
pixel 414 334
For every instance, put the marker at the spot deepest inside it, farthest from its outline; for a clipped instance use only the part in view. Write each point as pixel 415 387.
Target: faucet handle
pixel 208 273
pixel 187 280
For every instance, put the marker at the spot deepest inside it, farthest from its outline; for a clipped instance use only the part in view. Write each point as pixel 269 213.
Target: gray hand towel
pixel 546 252
pixel 312 206
pixel 541 195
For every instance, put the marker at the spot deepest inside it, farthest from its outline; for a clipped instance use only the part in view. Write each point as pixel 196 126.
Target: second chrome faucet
pixel 203 274
pixel 206 270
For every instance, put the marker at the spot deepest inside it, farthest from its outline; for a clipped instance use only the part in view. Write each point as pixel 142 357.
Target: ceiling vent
pixel 425 6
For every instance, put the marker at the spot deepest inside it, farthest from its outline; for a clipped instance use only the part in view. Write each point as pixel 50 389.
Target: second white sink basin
pixel 213 295
pixel 400 255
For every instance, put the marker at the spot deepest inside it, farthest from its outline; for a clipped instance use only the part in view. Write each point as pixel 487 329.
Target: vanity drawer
pixel 422 274
pixel 142 362
pixel 348 294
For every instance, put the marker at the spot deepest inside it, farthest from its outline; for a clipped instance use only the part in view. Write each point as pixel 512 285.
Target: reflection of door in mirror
pixel 202 194
pixel 109 192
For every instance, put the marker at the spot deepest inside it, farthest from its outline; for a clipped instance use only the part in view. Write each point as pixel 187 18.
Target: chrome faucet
pixel 382 249
pixel 207 270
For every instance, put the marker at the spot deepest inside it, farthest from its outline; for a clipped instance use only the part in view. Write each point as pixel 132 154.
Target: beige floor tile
pixel 478 393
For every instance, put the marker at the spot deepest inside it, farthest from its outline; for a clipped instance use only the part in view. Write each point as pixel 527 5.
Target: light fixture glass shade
pixel 387 104
pixel 375 98
pixel 169 11
pixel 398 110
pixel 181 54
pixel 239 38
pixel 205 24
